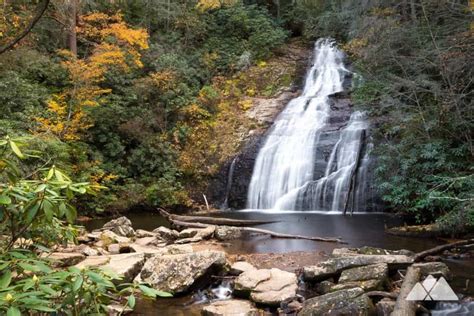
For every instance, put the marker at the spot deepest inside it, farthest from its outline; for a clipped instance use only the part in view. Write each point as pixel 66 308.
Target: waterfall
pixel 230 175
pixel 284 175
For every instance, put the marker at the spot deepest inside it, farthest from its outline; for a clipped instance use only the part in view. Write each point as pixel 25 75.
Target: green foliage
pixel 413 86
pixel 29 283
pixel 33 203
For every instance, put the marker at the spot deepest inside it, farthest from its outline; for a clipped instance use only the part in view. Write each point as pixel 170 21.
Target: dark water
pixel 357 230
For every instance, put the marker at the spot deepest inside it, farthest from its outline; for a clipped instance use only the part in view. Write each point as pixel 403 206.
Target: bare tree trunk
pixel 402 306
pixel 413 10
pixel 72 34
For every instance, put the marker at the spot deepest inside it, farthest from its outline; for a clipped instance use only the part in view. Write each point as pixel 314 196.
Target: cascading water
pixel 284 173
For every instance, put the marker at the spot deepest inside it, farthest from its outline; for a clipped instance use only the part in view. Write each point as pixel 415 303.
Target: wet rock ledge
pixel 352 281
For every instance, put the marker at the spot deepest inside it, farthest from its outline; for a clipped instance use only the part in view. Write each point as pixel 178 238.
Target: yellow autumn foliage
pixel 115 46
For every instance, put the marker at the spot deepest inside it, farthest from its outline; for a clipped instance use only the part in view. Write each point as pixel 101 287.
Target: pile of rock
pixel 358 281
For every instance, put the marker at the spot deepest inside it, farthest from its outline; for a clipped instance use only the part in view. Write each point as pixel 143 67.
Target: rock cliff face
pixel 230 187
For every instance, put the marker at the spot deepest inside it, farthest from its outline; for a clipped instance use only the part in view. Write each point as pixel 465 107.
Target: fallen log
pixel 382 294
pixel 212 220
pixel 438 249
pixel 256 230
pixel 403 307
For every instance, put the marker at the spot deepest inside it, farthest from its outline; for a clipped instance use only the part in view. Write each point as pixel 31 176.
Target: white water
pixel 283 176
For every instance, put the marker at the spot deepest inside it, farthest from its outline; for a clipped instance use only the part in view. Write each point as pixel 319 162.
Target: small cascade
pixel 230 175
pixel 288 172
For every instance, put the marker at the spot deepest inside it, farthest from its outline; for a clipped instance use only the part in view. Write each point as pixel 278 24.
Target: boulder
pixel 108 237
pixel 114 249
pixel 325 287
pixel 436 269
pixel 230 307
pixel 166 234
pixel 122 226
pixel 127 265
pixel 224 233
pixel 267 286
pixel 202 233
pixel 140 233
pixel 345 302
pixel 117 309
pixel 88 251
pixel 333 266
pixel 240 267
pixel 176 273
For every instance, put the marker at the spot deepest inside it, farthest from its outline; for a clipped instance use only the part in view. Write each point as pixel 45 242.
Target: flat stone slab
pixel 267 286
pixel 65 259
pixel 240 267
pixel 345 302
pixel 230 307
pixel 377 271
pixel 127 265
pixel 328 268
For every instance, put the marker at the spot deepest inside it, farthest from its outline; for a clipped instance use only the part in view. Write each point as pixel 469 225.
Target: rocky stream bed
pixel 192 264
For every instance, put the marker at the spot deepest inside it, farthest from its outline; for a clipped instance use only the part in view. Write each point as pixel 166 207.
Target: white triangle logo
pixel 432 289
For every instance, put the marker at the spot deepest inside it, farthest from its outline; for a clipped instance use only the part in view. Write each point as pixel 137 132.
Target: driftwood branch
pixel 212 220
pixel 40 9
pixel 255 230
pixel 353 175
pixel 421 255
pixel 402 306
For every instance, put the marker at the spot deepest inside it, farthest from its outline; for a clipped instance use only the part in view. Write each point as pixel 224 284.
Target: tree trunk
pixel 402 306
pixel 211 220
pixel 72 34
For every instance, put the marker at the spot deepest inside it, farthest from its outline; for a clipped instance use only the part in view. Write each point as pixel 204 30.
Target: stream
pixel 357 230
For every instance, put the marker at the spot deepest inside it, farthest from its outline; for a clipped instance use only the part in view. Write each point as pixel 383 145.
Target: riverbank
pixel 160 251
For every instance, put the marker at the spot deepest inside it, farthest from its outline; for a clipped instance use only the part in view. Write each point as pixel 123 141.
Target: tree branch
pixel 40 9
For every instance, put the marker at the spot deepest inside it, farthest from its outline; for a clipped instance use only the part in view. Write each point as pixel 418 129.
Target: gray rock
pixel 117 309
pixel 108 237
pixel 224 233
pixel 114 249
pixel 166 234
pixel 325 287
pixel 370 277
pixel 203 233
pixel 122 226
pixel 88 251
pixel 267 286
pixel 230 307
pixel 436 269
pixel 384 307
pixel 127 265
pixel 240 267
pixel 140 233
pixel 344 252
pixel 328 268
pixel 176 273
pixel 65 259
pixel 345 302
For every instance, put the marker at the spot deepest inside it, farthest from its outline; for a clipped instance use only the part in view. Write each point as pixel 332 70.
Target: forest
pixel 110 107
